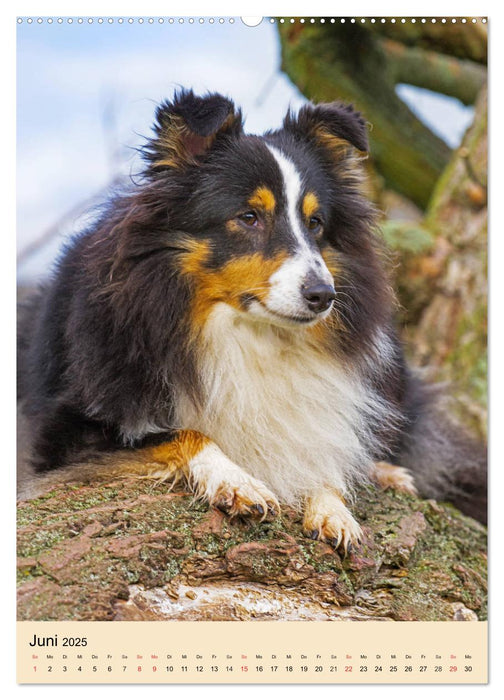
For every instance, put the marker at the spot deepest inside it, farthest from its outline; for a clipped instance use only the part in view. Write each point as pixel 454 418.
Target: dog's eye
pixel 314 224
pixel 249 218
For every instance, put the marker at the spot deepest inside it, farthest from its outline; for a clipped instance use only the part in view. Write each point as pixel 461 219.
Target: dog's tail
pixel 447 463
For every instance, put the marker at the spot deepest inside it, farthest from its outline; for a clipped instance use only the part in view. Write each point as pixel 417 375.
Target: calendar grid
pixel 255 652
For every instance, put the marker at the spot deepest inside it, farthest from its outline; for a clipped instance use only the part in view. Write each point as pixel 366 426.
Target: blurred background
pixel 86 95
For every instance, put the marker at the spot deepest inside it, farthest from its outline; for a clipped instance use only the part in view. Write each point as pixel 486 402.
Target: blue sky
pixel 86 94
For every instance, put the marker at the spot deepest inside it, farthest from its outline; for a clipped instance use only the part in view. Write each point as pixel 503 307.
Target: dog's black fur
pixel 105 340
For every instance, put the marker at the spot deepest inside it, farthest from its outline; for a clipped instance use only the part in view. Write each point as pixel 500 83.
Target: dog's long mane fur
pixel 111 357
pixel 278 405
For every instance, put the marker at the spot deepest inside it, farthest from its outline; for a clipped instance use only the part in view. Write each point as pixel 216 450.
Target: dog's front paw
pixel 249 498
pixel 327 518
pixel 225 485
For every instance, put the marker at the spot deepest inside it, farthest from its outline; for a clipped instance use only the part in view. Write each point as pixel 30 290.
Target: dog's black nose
pixel 319 297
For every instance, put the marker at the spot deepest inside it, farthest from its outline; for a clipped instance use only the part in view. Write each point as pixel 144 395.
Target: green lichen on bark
pixel 78 562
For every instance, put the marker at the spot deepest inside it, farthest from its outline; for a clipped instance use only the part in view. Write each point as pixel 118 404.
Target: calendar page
pixel 252 350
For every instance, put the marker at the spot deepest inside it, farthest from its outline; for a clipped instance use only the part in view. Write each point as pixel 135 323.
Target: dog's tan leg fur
pixel 389 476
pixel 210 474
pixel 327 518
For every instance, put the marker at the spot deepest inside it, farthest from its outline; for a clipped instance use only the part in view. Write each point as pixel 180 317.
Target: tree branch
pixel 455 77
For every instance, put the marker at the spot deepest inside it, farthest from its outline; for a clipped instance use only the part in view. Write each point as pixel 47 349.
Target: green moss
pixel 321 564
pixel 34 542
pixel 452 548
pixel 468 367
pixel 213 544
pixel 173 568
pixel 406 237
pixel 27 573
pixel 92 499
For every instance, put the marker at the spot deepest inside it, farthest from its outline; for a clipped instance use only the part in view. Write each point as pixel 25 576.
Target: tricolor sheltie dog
pixel 230 322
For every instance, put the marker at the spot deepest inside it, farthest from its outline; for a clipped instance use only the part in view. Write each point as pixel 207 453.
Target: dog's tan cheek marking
pixel 193 261
pixel 389 476
pixel 193 265
pixel 248 274
pixel 263 198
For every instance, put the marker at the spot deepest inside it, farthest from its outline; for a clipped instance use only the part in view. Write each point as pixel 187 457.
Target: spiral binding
pixel 232 20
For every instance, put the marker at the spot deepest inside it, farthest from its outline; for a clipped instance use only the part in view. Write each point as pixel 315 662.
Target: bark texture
pixel 135 550
pixel 441 276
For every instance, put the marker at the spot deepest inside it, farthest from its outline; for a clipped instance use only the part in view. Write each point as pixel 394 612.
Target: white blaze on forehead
pixel 285 294
pixel 292 188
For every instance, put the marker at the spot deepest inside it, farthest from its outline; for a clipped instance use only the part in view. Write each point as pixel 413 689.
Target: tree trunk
pixel 443 285
pixel 134 550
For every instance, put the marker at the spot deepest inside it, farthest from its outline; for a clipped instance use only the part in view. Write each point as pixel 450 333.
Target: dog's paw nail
pixel 349 549
pixel 314 534
pixel 258 508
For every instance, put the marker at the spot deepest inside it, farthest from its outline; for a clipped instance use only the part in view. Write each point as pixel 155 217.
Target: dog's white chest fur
pixel 280 408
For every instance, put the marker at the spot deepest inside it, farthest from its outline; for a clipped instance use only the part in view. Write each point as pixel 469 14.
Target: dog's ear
pixel 188 127
pixel 333 125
